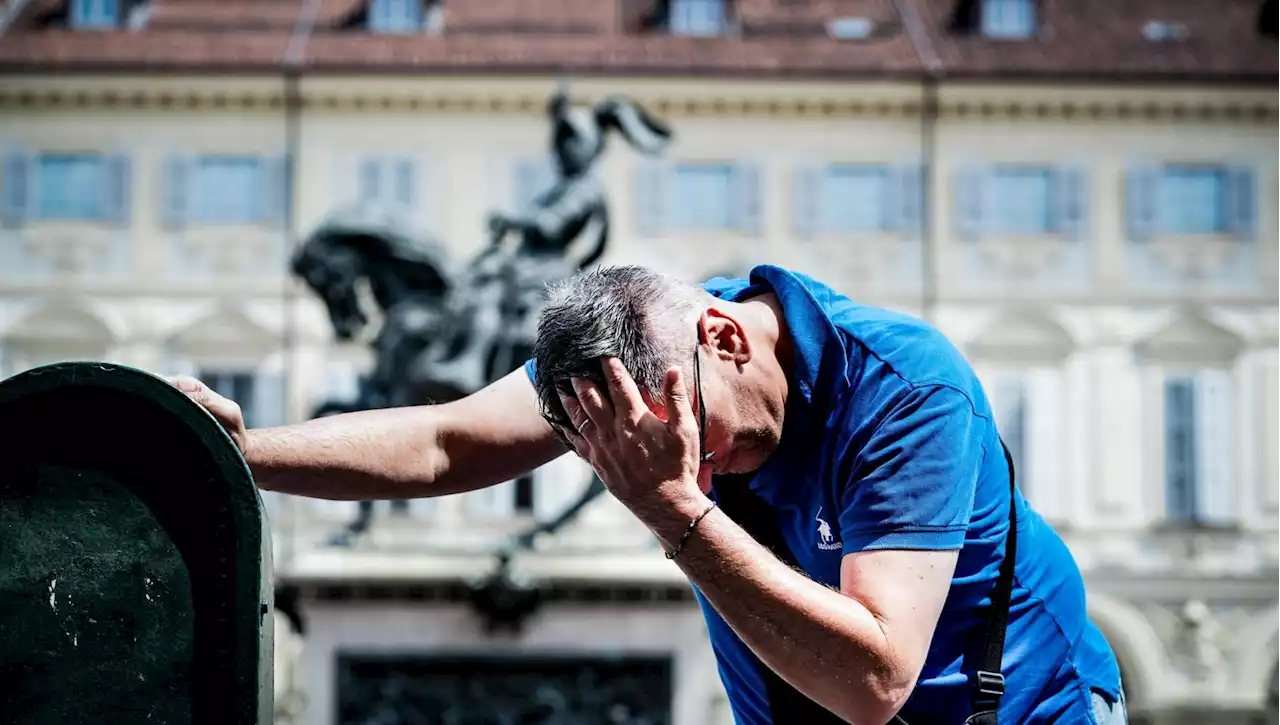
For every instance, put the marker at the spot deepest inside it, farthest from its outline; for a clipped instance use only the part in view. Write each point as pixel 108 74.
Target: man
pixel 827 474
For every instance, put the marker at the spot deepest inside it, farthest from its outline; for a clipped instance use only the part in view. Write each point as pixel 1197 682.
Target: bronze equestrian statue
pixel 448 332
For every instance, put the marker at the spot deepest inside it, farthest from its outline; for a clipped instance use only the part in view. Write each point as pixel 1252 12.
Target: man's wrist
pixel 671 520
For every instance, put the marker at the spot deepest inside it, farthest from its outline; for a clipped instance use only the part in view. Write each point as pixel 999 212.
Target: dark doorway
pixel 503 690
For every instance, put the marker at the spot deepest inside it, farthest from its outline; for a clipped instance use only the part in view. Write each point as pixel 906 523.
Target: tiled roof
pixel 1076 38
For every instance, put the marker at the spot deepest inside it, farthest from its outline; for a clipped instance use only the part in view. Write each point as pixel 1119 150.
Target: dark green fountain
pixel 134 557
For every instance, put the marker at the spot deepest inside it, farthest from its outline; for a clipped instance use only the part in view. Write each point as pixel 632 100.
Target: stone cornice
pixel 675 100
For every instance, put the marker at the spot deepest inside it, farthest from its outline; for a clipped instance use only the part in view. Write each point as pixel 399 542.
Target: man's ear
pixel 726 335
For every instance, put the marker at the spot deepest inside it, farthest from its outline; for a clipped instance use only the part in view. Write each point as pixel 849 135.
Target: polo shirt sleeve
pixel 912 485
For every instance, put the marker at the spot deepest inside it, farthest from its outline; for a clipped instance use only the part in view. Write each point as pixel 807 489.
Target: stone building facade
pixel 1081 195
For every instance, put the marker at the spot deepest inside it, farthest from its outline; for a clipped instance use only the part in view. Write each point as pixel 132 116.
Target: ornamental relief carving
pixel 1199 638
pixel 226 251
pixel 71 250
pixel 1023 258
pixel 1195 257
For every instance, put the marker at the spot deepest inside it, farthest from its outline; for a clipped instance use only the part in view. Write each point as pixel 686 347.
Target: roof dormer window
pixel 95 14
pixel 697 17
pixel 1008 19
pixel 402 16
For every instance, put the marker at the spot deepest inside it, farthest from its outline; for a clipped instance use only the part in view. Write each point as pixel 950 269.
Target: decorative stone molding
pixel 69 250
pixel 1195 257
pixel 1024 258
pixel 230 250
pixel 757 104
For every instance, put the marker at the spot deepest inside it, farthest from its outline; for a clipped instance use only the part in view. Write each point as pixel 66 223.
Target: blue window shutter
pixel 117 192
pixel 1242 202
pixel 1140 212
pixel 747 198
pixel 908 210
pixel 806 199
pixel 268 400
pixel 1071 202
pixel 650 196
pixel 175 191
pixel 274 185
pixel 406 182
pixel 15 195
pixel 970 199
pixel 1215 448
pixel 369 185
pixel 1179 449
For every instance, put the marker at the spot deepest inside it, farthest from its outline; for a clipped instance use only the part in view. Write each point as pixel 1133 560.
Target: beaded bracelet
pixel 689 531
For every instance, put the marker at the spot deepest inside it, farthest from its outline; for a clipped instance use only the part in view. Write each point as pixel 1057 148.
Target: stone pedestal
pixel 134 557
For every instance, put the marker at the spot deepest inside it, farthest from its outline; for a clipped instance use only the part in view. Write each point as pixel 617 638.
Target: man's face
pixel 738 432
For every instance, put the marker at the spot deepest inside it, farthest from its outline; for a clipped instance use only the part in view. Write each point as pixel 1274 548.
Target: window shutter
pixel 1242 202
pixel 970 198
pixel 117 189
pixel 406 182
pixel 649 190
pixel 369 187
pixel 1071 199
pixel 806 199
pixel 15 196
pixel 1179 449
pixel 175 191
pixel 269 397
pixel 746 198
pixel 907 214
pixel 1215 448
pixel 1140 212
pixel 275 190
pixel 1044 444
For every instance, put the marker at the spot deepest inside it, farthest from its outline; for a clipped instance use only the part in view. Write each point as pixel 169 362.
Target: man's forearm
pixel 824 643
pixel 378 454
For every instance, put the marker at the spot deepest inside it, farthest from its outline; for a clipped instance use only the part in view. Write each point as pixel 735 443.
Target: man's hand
pixel 226 411
pixel 650 465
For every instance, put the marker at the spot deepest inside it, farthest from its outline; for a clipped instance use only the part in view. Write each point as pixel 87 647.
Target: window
pixel 704 196
pixel 236 385
pixel 71 187
pixel 1021 200
pixel 1008 18
pixel 389 181
pixel 1193 200
pixel 697 17
pixel 856 198
pixel 1029 416
pixel 95 14
pixel 1198 447
pixel 395 16
pixel 229 189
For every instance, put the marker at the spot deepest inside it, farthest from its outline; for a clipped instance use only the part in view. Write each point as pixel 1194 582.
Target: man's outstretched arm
pixel 486 438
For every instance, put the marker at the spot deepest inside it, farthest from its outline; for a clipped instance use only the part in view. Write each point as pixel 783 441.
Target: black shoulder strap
pixel 787 703
pixel 988 685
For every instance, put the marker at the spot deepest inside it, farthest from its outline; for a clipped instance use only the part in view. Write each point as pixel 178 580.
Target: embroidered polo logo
pixel 826 541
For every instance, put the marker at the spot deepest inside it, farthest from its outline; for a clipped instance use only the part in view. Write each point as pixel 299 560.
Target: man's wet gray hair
pixel 645 319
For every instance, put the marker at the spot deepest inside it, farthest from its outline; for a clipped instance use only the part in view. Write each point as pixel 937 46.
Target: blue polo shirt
pixel 889 442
